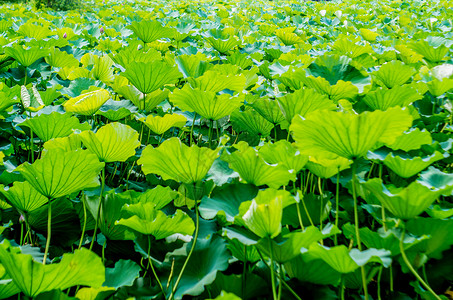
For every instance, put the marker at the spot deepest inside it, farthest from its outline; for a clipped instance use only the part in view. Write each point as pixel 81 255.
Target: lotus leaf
pixel 303 102
pixel 24 197
pixel 123 274
pixel 87 103
pixel 135 96
pixel 148 220
pixel 437 180
pixel 149 31
pixel 148 77
pixel 32 278
pixel 432 50
pixel 54 125
pixel 253 169
pixel 314 270
pixel 112 142
pixel 411 140
pixel 59 173
pixel 394 73
pixel 61 59
pixel 205 103
pixel 193 65
pixel 212 81
pixel 252 122
pixel 326 133
pixel 283 152
pixel 116 110
pixel 264 219
pixel 407 166
pixel 383 98
pixel 24 56
pixel 404 203
pixel 174 160
pixel 68 143
pixel 269 109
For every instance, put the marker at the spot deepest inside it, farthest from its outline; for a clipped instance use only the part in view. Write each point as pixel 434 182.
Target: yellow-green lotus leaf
pixel 59 173
pixel 112 142
pixel 331 134
pixel 394 73
pixel 159 125
pixel 87 103
pixel 24 197
pixel 148 220
pixel 265 219
pixel 174 160
pixel 61 59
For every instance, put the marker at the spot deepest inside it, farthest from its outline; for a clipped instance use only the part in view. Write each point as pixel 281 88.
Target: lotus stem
pixel 100 205
pixel 321 207
pixel 412 269
pixel 49 228
pixel 274 291
pixel 31 147
pixel 210 133
pixel 357 231
pixel 280 277
pixel 337 205
pixel 306 211
pixel 197 228
pixel 299 216
pixel 379 283
pixel 21 234
pixel 84 221
pixel 342 288
pixel 244 273
pixel 150 262
pixel 391 278
pixel 103 251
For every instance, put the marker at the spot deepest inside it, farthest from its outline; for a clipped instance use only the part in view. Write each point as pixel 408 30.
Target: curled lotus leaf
pixel 87 103
pixel 160 125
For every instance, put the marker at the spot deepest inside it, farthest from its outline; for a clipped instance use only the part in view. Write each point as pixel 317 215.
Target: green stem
pixel 342 287
pixel 150 262
pixel 84 220
pixel 49 228
pixel 280 277
pixel 391 278
pixel 21 234
pixel 299 216
pixel 210 133
pixel 103 251
pixel 101 204
pixel 191 129
pixel 357 231
pixel 197 228
pixel 274 292
pixel 306 211
pixel 337 206
pixel 244 273
pixel 412 269
pixel 31 147
pixel 379 283
pixel 321 207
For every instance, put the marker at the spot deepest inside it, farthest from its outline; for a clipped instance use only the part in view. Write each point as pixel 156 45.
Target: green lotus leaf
pixel 116 110
pixel 345 261
pixel 253 169
pixel 212 81
pixel 241 60
pixel 148 77
pixel 335 68
pixel 308 269
pixel 59 173
pixel 268 109
pixel 404 203
pixel 327 133
pixel 61 59
pixel 32 278
pixel 287 36
pixel 265 219
pixel 26 57
pixel 252 122
pixel 283 152
pixel 54 125
pixel 225 201
pixel 6 101
pixel 440 234
pixel 87 103
pixel 289 246
pixel 193 65
pixel 135 96
pixel 381 239
pixel 437 180
pixel 160 125
pixel 206 103
pixel 7 286
pixel 131 54
pixel 394 73
pixel 122 274
pixel 383 98
pixel 159 196
pixel 223 45
pixel 110 212
pixel 112 142
pixel 412 139
pixel 440 212
pixel 149 31
pixel 303 102
pixel 407 166
pixel 24 197
pixel 101 67
pixel 340 90
pixel 352 48
pixel 174 160
pixel 148 220
pixel 293 77
pixel 326 168
pixel 50 95
pixel 92 293
pixel 31 30
pixel 431 49
pixel 254 286
pixel 68 143
pixel 243 252
pixel 439 87
pixel 209 258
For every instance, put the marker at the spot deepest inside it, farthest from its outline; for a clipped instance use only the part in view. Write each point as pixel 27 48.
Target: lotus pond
pixel 227 150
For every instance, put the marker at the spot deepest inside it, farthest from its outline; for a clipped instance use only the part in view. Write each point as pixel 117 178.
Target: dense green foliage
pixel 241 149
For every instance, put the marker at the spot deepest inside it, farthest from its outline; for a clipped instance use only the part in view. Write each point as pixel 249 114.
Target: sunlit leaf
pixel 87 103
